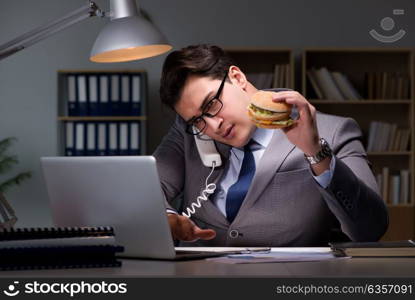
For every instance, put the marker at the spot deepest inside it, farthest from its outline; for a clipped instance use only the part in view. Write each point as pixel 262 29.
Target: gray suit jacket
pixel 284 206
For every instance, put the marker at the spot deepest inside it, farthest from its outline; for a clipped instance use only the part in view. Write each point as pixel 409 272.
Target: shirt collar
pixel 261 136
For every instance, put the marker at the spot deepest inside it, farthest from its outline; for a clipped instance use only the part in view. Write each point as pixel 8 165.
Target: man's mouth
pixel 227 132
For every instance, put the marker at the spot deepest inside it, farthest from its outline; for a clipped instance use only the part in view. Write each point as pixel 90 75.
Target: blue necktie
pixel 237 191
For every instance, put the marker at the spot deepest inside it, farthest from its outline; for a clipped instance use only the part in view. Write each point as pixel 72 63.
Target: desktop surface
pixel 353 267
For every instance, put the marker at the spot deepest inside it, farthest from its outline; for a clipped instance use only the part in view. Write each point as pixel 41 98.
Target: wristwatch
pixel 322 154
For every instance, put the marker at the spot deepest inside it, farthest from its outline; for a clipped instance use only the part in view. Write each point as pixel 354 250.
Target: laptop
pixel 119 191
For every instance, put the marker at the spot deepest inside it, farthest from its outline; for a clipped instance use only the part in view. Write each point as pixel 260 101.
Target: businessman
pixel 304 185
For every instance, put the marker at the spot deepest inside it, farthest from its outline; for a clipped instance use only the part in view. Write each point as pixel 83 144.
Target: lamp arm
pixel 42 32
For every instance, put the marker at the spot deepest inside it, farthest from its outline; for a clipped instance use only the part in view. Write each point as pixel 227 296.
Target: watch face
pixel 325 148
pixel 322 154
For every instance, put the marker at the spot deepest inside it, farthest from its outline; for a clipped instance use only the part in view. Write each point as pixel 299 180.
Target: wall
pixel 28 79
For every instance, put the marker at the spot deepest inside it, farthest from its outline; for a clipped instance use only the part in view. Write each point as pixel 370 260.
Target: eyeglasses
pixel 197 125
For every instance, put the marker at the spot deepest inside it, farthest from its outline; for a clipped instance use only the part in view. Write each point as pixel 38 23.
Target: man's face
pixel 231 125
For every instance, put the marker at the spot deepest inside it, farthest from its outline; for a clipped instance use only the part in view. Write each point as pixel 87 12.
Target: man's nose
pixel 214 123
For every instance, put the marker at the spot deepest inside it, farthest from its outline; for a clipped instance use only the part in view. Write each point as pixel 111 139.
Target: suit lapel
pixel 275 154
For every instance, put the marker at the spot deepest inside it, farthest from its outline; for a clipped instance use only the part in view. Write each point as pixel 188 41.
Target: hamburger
pixel 266 113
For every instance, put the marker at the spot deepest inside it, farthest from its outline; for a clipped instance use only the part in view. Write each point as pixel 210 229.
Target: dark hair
pixel 203 60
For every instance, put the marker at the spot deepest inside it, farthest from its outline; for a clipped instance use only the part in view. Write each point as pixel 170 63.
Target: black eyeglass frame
pixel 194 120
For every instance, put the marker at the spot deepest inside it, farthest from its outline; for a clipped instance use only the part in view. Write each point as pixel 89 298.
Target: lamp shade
pixel 128 38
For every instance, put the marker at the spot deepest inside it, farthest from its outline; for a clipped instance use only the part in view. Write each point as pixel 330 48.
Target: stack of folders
pixel 105 94
pixel 375 249
pixel 49 248
pixel 102 138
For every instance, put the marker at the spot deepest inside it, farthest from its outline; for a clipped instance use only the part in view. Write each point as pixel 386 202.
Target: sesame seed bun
pixel 263 99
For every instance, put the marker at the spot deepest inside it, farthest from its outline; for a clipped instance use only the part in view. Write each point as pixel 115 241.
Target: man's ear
pixel 237 77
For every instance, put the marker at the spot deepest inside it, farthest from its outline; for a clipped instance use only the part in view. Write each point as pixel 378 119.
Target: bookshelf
pixel 102 112
pixel 265 67
pixel 382 91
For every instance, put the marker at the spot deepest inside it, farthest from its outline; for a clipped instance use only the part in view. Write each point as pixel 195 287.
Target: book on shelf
pixel 332 85
pixel 394 185
pixel 276 80
pixel 261 80
pixel 383 136
pixel 281 76
pixel 394 191
pixel 56 247
pixel 379 181
pixel 385 184
pixel 404 186
pixel 387 85
pixel 312 78
pixel 287 83
pixel 345 86
pixel 405 248
pixel 328 85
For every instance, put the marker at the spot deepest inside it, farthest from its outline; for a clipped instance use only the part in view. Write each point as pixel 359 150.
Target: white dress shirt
pixel 262 137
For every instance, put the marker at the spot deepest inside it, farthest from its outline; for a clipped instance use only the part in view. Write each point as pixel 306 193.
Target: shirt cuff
pixel 171 211
pixel 324 178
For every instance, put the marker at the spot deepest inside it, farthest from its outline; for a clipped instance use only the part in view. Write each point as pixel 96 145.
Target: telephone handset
pixel 207 151
pixel 210 158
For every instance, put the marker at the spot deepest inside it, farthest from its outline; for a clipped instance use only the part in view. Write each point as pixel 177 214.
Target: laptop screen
pixel 119 191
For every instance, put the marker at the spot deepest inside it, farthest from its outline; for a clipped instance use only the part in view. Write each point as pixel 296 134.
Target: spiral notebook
pixel 67 247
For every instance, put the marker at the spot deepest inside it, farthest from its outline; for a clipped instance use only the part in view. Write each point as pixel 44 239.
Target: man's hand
pixel 182 228
pixel 303 133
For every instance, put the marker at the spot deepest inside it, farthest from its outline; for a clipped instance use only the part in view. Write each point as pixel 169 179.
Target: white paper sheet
pixel 285 254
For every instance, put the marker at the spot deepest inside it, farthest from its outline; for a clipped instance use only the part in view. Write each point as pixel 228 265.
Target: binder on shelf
pixel 102 139
pixel 79 139
pixel 82 95
pixel 134 138
pixel 91 149
pixel 69 138
pixel 43 248
pixel 93 108
pixel 123 130
pixel 104 104
pixel 105 94
pixel 113 138
pixel 125 103
pixel 115 95
pixel 72 95
pixel 136 97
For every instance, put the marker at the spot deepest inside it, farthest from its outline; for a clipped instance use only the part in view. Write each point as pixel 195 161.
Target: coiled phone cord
pixel 204 196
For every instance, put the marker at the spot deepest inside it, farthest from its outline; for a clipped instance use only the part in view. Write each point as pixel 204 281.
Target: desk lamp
pixel 128 36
